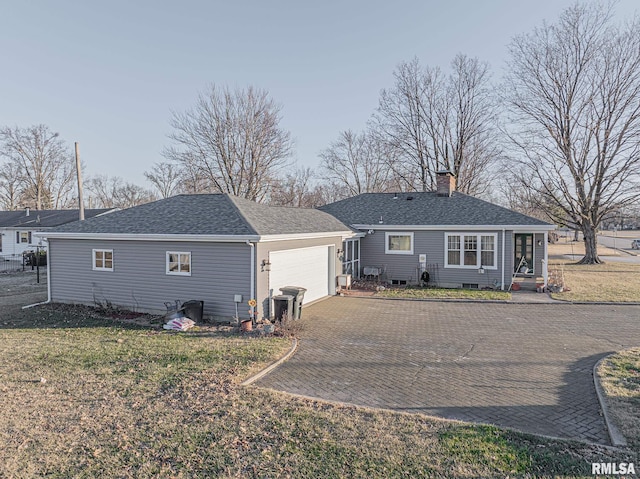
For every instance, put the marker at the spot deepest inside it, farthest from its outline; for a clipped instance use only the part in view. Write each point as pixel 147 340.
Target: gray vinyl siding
pixel 262 253
pixel 139 281
pixel 432 243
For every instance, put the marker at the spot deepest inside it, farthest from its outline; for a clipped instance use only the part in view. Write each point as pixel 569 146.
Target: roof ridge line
pixel 231 199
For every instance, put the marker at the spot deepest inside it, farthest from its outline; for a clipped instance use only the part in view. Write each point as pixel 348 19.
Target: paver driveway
pixel 526 366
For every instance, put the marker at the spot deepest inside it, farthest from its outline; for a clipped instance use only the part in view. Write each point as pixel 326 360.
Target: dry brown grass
pixel 129 402
pixel 619 375
pixel 609 282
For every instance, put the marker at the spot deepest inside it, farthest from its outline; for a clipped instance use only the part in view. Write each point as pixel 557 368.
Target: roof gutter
pixel 523 228
pixel 149 237
pixel 193 237
pixel 299 236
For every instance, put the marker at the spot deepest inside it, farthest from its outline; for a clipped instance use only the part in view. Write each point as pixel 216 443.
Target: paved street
pixel 526 366
pixel 621 241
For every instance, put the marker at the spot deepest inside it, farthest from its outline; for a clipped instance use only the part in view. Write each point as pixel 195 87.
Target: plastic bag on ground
pixel 179 324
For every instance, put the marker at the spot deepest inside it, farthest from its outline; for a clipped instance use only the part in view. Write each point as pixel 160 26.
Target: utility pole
pixel 79 173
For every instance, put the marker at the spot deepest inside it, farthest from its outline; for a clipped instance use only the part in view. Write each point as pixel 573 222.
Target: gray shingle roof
pixel 272 220
pixel 44 218
pixel 211 214
pixel 425 208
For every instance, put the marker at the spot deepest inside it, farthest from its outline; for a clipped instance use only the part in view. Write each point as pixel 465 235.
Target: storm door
pixel 523 249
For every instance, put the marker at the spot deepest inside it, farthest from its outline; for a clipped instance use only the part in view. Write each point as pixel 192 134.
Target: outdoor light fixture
pixel 266 266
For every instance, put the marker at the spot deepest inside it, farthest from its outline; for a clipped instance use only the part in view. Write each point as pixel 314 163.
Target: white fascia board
pixel 523 228
pixel 361 234
pixel 301 236
pixel 150 237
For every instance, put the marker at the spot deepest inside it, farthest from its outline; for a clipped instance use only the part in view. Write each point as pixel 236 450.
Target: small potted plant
pixel 247 324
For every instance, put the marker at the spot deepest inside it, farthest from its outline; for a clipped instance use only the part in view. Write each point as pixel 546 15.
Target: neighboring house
pixel 217 248
pixel 459 240
pixel 17 228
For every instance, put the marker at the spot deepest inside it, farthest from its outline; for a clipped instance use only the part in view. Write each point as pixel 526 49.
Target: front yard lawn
pixel 608 282
pixel 443 293
pixel 84 396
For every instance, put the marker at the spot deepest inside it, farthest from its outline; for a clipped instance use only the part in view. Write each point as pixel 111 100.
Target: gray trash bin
pixel 298 294
pixel 282 304
pixel 193 310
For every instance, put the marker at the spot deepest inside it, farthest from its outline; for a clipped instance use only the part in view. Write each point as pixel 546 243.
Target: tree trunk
pixel 590 245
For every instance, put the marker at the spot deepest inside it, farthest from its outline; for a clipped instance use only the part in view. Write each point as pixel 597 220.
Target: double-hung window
pixel 102 259
pixel 398 243
pixel 23 237
pixel 179 263
pixel 471 250
pixel 488 250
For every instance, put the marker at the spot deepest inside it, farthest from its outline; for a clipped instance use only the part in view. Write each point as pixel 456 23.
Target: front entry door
pixel 523 249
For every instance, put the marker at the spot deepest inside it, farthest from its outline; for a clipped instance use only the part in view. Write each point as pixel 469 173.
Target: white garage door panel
pixel 306 267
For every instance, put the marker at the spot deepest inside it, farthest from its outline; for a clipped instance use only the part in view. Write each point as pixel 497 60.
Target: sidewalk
pixel 523 296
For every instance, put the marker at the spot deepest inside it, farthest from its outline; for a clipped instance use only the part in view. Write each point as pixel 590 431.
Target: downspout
pixel 253 275
pixel 545 261
pixel 503 247
pixel 48 272
pixel 48 282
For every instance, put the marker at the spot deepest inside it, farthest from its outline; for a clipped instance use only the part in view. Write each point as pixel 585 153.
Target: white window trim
pixel 479 242
pixel 93 259
pixel 397 233
pixel 177 273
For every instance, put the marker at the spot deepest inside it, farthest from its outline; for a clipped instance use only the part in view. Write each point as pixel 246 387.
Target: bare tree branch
pixel 114 192
pixel 231 142
pixel 434 122
pixel 359 163
pixel 166 178
pixel 43 161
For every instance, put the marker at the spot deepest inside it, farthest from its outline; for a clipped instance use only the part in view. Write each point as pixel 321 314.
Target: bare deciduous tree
pixel 63 190
pixel 358 162
pixel 10 186
pixel 573 90
pixel 471 134
pixel 231 141
pixel 435 122
pixel 166 178
pixel 114 192
pixel 296 189
pixel 402 120
pixel 43 161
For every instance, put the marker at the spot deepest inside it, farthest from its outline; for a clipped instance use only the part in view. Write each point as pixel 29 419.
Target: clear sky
pixel 107 74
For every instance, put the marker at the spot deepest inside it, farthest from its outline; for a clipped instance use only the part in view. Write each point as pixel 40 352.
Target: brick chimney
pixel 446 183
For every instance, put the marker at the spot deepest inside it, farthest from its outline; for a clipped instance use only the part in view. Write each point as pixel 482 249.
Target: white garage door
pixel 306 267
